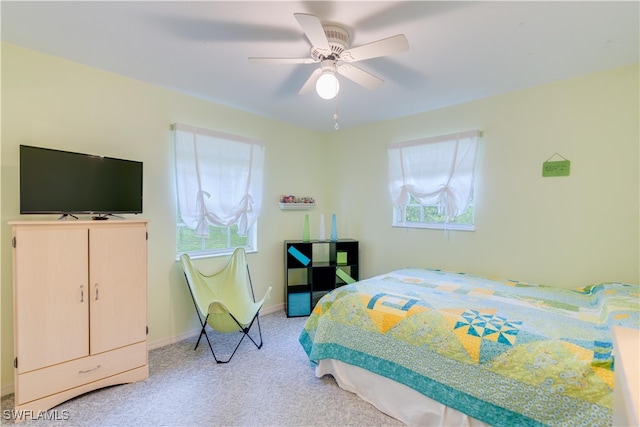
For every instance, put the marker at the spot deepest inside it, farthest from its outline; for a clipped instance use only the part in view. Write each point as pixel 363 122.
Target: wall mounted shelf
pixel 298 206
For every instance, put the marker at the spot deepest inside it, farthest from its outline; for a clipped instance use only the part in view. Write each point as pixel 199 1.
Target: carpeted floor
pixel 273 386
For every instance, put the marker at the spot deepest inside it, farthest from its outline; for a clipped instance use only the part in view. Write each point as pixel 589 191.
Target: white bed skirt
pixel 394 399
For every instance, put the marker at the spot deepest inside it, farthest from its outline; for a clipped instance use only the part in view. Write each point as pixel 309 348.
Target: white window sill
pixel 455 227
pixel 212 254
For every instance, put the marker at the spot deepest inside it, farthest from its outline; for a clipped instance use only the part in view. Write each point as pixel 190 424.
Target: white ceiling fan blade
pixel 312 28
pixel 388 46
pixel 310 84
pixel 360 76
pixel 254 60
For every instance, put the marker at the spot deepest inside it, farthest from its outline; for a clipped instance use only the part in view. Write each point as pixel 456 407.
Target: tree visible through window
pixel 428 216
pixel 221 240
pixel 219 190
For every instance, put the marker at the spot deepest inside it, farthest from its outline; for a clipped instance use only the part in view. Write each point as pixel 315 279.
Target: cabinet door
pixel 50 295
pixel 118 281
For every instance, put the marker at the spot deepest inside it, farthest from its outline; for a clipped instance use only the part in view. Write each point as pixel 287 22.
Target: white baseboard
pixel 6 389
pixel 151 345
pixel 272 309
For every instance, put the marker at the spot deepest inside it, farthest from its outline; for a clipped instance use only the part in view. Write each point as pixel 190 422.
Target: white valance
pixel 436 171
pixel 218 178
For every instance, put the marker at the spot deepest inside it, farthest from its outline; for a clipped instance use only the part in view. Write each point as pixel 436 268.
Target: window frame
pixel 250 247
pixel 397 219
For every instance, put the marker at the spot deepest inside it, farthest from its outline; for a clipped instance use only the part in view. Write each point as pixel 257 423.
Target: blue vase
pixel 334 229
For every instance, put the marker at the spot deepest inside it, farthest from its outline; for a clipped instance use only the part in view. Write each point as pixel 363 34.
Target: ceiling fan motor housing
pixel 338 39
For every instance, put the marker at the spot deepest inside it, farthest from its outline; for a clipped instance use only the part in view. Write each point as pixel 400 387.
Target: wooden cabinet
pixel 80 308
pixel 314 268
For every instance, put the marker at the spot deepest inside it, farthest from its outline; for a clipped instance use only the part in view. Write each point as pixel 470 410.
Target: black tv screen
pixel 55 181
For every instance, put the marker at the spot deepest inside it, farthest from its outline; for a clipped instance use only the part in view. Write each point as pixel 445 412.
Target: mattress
pixel 394 399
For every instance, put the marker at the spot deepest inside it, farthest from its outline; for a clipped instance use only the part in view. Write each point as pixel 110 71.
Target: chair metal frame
pixel 244 330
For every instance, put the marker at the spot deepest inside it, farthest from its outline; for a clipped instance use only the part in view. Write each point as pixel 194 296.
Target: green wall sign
pixel 559 168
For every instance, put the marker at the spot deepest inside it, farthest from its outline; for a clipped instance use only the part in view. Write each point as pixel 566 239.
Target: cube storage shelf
pixel 314 268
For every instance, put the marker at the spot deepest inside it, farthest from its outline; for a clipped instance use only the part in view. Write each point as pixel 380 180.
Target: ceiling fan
pixel 330 47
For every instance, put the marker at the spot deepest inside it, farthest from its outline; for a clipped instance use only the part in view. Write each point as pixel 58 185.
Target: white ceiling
pixel 459 51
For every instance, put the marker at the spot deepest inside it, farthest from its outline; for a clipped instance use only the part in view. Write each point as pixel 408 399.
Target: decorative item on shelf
pixel 294 199
pixel 334 228
pixel 344 276
pixel 321 235
pixel 294 202
pixel 302 258
pixel 306 234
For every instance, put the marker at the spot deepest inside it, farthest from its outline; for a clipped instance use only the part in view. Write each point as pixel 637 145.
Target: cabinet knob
pixel 96 287
pixel 81 293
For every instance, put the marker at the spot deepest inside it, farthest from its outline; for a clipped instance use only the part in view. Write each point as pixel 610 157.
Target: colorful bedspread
pixel 504 352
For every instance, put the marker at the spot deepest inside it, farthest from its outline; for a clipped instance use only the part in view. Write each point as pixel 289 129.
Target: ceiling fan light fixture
pixel 327 85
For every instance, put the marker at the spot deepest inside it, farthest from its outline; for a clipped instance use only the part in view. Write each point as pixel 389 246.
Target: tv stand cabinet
pixel 80 308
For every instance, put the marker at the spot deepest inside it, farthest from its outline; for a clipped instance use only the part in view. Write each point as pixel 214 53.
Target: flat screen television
pixel 67 183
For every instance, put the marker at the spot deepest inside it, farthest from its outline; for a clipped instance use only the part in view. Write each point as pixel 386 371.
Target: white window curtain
pixel 437 171
pixel 218 178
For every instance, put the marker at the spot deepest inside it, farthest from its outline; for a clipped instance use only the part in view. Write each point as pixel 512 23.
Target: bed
pixel 431 347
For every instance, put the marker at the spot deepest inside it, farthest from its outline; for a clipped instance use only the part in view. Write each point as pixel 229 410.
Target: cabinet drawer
pixel 54 379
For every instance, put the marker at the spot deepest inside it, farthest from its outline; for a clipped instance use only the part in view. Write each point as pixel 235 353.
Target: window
pixel 428 216
pixel 219 190
pixel 221 240
pixel 431 181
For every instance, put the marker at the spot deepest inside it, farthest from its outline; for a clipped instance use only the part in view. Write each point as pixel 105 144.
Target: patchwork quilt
pixel 504 352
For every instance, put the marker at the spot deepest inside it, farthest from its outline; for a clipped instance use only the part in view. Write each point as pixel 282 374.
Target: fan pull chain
pixel 335 117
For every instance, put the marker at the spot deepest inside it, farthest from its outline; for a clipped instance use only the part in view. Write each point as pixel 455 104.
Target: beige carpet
pixel 273 386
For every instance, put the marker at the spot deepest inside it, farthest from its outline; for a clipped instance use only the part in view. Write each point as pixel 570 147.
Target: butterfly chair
pixel 225 300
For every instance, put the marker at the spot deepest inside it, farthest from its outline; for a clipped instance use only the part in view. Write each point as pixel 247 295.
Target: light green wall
pixel 47 101
pixel 564 231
